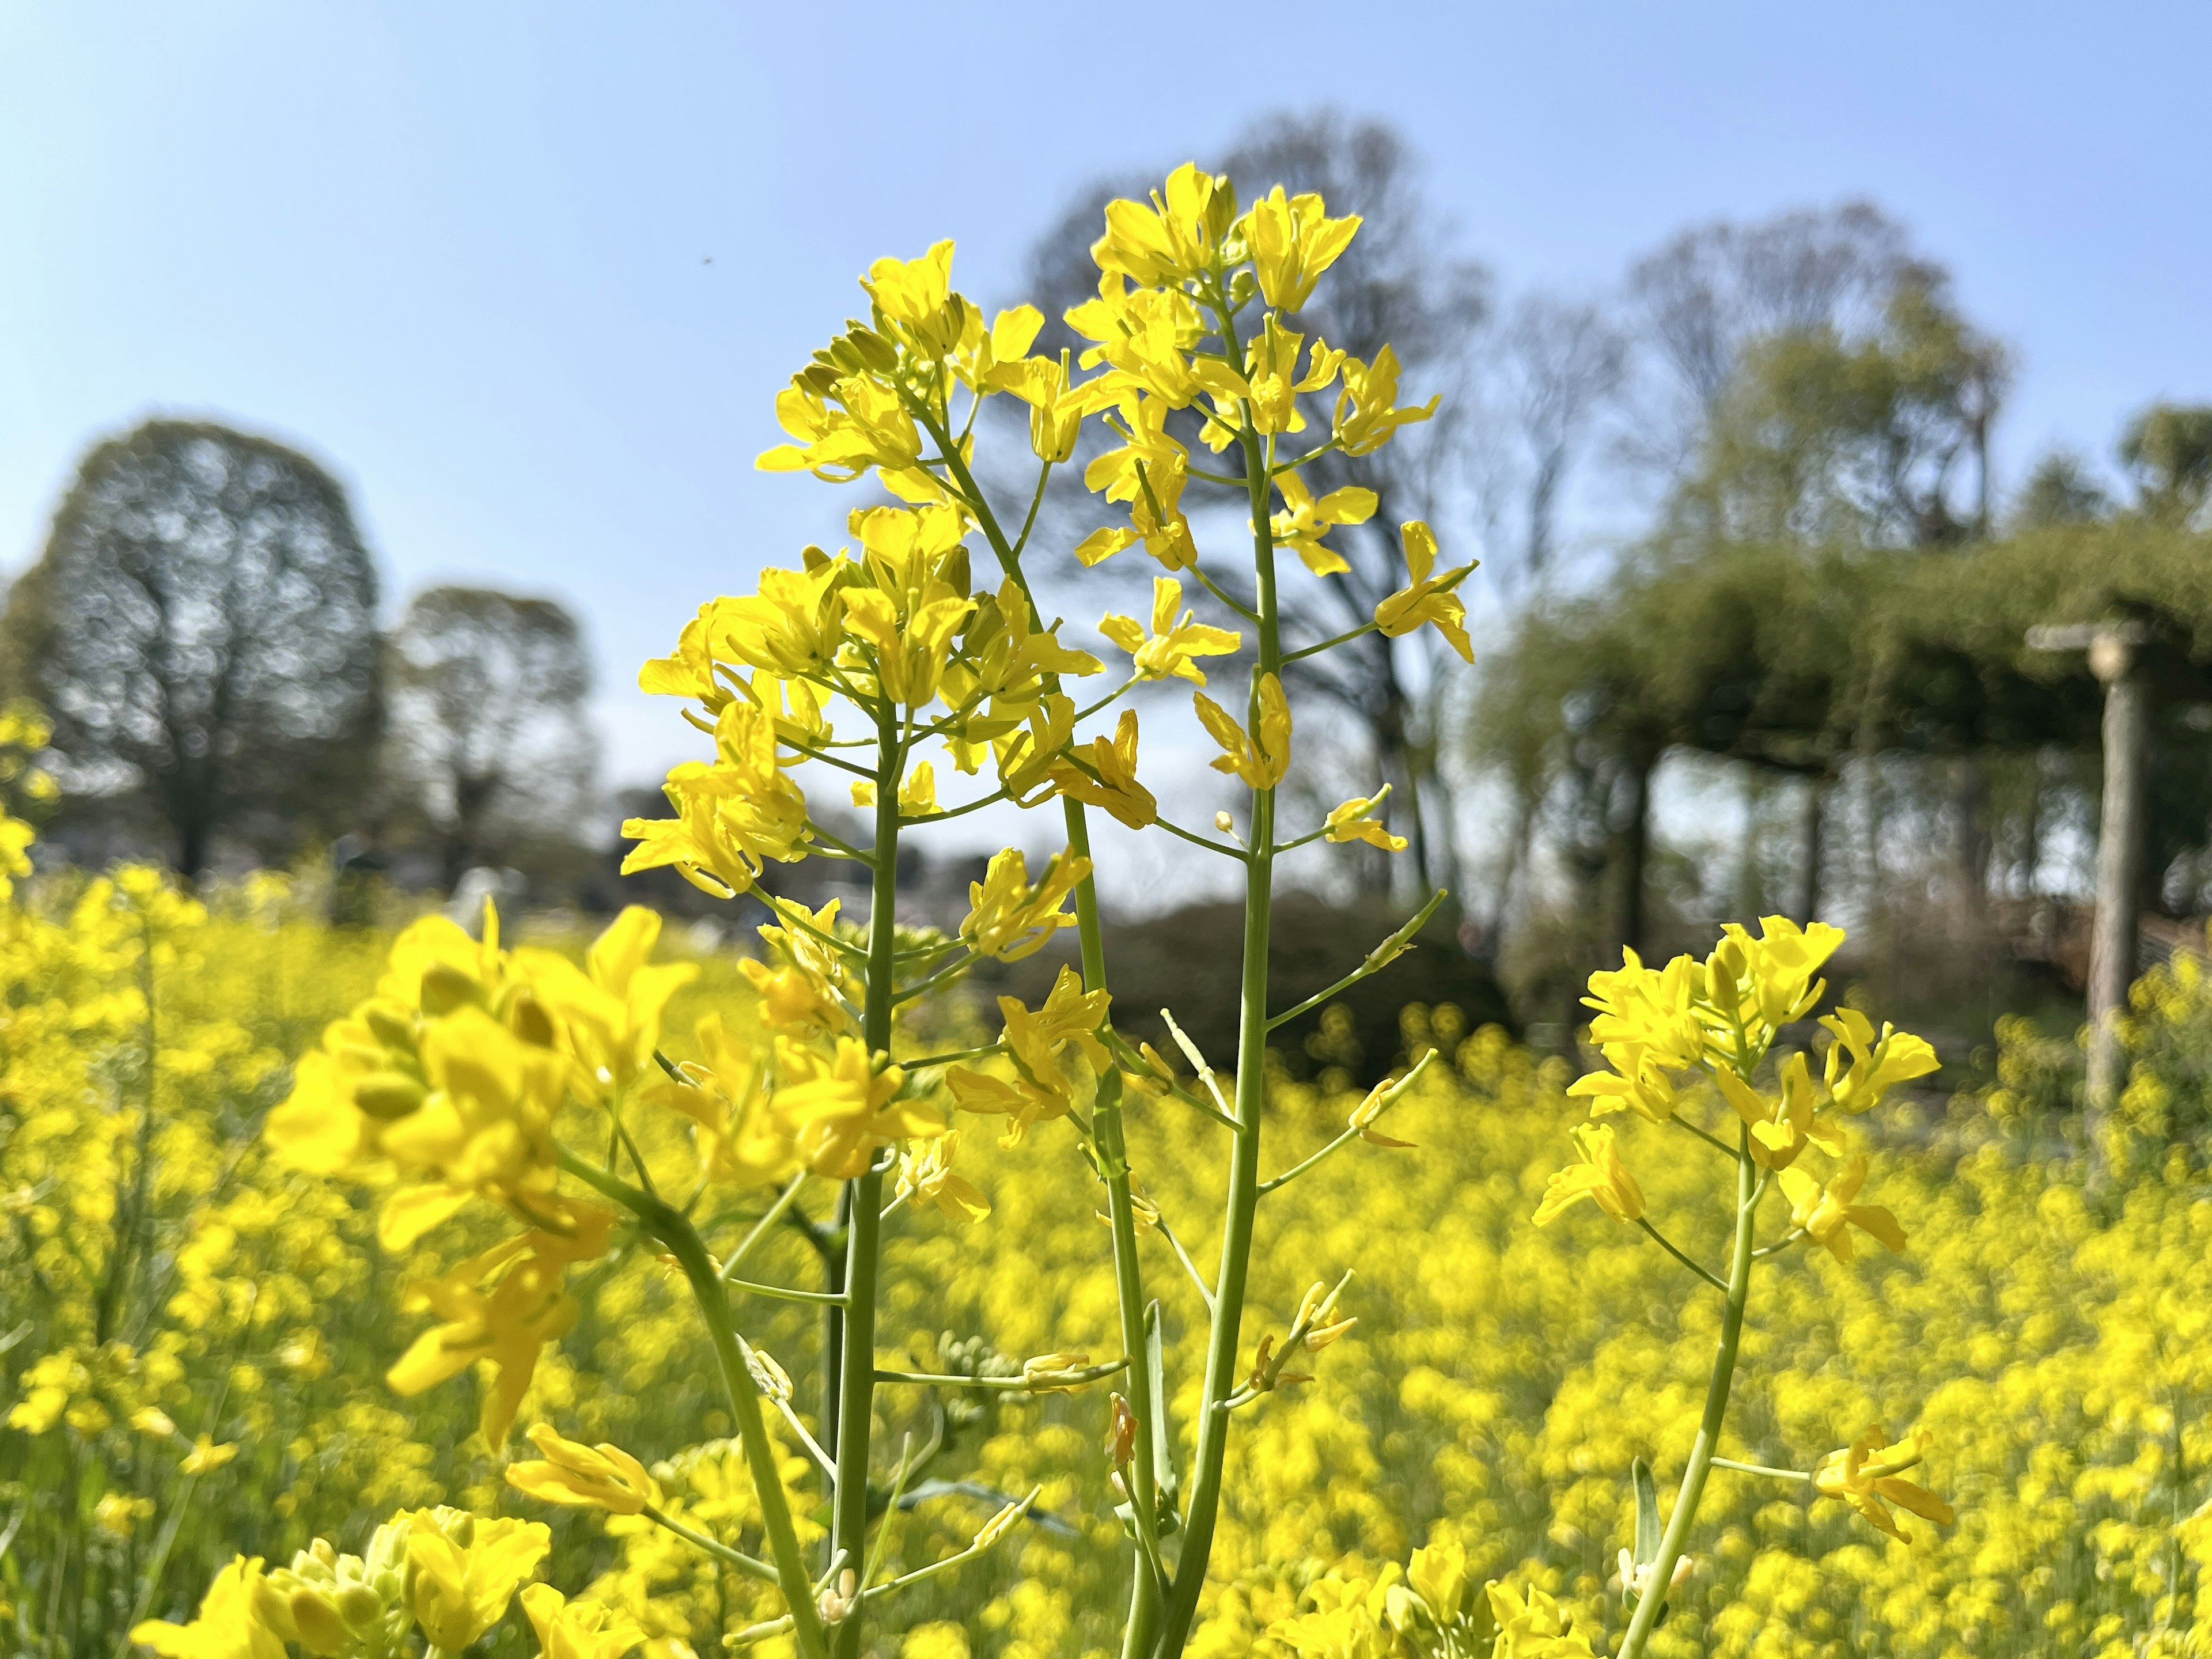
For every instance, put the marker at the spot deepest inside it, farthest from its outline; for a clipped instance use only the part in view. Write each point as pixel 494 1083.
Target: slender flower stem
pixel 775 1214
pixel 1761 1469
pixel 761 1458
pixel 1056 1384
pixel 1377 959
pixel 1148 1587
pixel 1697 1268
pixel 784 1292
pixel 856 1376
pixel 721 1551
pixel 1345 638
pixel 1244 1196
pixel 1673 1542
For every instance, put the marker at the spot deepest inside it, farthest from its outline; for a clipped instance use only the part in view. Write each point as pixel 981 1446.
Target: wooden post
pixel 1811 810
pixel 2115 660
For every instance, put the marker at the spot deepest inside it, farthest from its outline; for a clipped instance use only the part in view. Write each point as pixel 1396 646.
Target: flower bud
pixel 388 1096
pixel 1121 1434
pixel 445 987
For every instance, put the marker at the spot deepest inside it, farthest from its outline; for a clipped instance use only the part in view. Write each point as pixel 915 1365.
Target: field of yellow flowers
pixel 193 1343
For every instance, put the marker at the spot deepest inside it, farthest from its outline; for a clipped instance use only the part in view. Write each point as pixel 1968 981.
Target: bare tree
pixel 1393 287
pixel 1566 362
pixel 1716 288
pixel 202 630
pixel 488 741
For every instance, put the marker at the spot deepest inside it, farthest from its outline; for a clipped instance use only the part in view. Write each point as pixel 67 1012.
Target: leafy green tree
pixel 2060 489
pixel 1881 441
pixel 2167 450
pixel 489 750
pixel 201 628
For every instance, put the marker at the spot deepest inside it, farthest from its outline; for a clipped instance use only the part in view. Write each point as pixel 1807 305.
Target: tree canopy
pixel 201 629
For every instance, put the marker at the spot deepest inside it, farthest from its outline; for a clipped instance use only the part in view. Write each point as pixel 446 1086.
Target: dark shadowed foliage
pixel 202 630
pixel 489 752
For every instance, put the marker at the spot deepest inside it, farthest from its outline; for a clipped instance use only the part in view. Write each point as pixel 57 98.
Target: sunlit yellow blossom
pixel 206 1456
pixel 1426 598
pixel 1601 1177
pixel 690 672
pixel 1534 1627
pixel 577 1629
pixel 1009 918
pixel 1180 236
pixel 1350 822
pixel 1769 980
pixel 1293 241
pixel 1782 1127
pixel 1828 1214
pixel 603 1477
pixel 1260 760
pixel 986 358
pixel 227 1627
pixel 1877 1065
pixel 485 1127
pixel 738 1139
pixel 806 990
pixel 1271 378
pixel 1864 1475
pixel 524 1309
pixel 732 815
pixel 793 624
pixel 1367 412
pixel 118 1516
pixel 1057 408
pixel 1039 1044
pixel 911 646
pixel 463 1569
pixel 926 1176
pixel 846 424
pixel 608 1014
pixel 1173 642
pixel 1145 337
pixel 914 300
pixel 1027 755
pixel 1115 787
pixel 1149 472
pixel 842 1108
pixel 1304 521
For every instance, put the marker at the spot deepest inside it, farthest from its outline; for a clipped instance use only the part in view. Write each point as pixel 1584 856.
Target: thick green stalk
pixel 670 1227
pixel 1128 1275
pixel 1674 1540
pixel 856 1381
pixel 1244 1197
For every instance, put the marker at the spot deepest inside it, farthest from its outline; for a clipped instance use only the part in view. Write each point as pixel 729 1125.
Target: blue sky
pixel 459 252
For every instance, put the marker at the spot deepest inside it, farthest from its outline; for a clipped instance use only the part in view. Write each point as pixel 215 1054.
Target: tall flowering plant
pixel 914 672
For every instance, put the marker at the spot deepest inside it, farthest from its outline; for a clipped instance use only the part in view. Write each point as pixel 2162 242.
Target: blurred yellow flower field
pixel 198 1340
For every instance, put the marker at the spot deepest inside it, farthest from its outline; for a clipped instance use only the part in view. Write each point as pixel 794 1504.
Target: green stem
pixel 1697 1268
pixel 1673 1541
pixel 761 1460
pixel 1128 1273
pixel 714 1546
pixel 856 1376
pixel 1244 1196
pixel 1768 1470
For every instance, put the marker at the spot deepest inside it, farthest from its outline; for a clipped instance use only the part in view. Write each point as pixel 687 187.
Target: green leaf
pixel 1647 1514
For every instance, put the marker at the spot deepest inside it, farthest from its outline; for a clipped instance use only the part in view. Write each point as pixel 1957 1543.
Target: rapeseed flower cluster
pixel 806 1367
